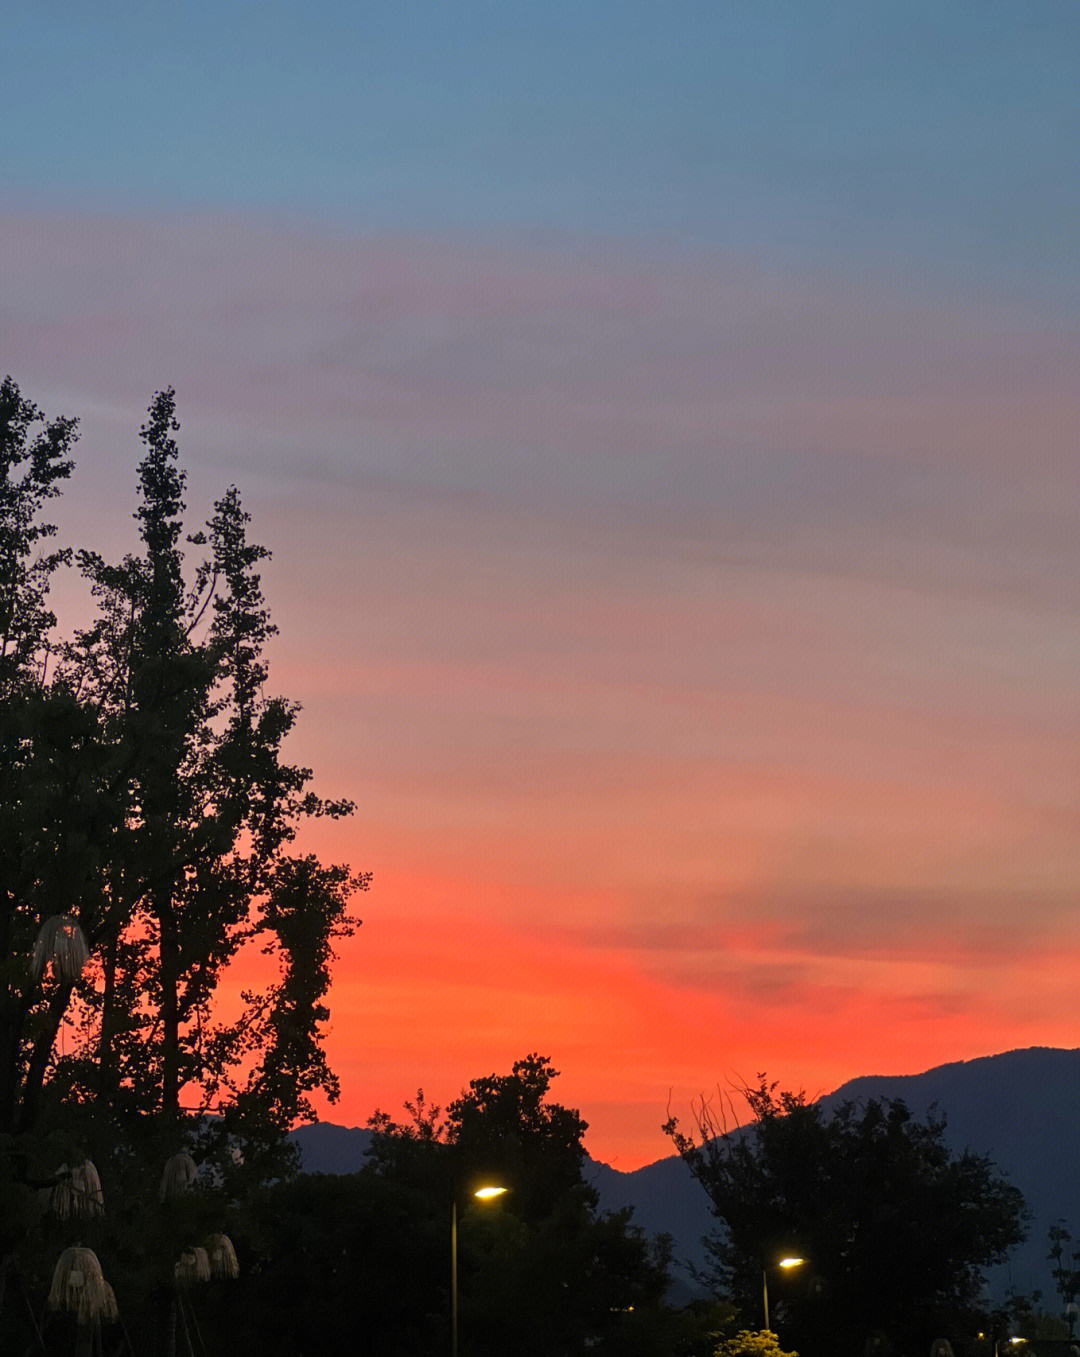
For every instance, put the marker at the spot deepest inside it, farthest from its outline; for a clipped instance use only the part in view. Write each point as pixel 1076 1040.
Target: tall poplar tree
pixel 145 797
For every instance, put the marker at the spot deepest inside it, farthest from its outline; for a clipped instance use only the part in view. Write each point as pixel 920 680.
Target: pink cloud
pixel 364 346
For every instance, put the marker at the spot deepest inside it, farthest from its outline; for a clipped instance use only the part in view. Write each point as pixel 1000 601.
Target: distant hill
pixel 1021 1108
pixel 325 1148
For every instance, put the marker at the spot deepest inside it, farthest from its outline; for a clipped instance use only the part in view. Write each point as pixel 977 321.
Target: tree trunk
pixel 105 1048
pixel 11 1024
pixel 40 1056
pixel 170 1013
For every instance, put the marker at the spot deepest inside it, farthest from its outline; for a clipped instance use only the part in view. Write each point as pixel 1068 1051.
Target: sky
pixel 664 420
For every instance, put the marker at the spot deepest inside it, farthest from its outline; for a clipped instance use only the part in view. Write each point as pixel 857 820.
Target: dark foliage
pixel 147 813
pixel 894 1228
pixel 541 1273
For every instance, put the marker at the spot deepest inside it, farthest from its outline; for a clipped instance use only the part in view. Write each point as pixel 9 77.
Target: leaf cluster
pixel 752 1343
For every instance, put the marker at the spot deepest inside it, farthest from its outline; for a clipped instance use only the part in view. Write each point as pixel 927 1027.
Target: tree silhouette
pixel 543 1273
pixel 894 1228
pixel 146 798
pixel 148 814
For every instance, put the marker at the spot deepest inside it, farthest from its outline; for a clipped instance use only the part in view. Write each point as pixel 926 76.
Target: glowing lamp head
pixel 791 1262
pixel 486 1193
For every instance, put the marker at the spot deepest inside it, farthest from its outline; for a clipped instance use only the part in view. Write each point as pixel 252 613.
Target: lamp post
pixel 784 1263
pixel 482 1194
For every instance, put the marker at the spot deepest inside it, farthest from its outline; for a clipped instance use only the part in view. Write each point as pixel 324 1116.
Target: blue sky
pixel 943 136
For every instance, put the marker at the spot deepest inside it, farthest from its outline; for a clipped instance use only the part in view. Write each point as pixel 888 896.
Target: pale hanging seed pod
pixel 77 1193
pixel 96 1302
pixel 180 1174
pixel 110 1311
pixel 222 1256
pixel 77 1270
pixel 87 1198
pixel 58 1198
pixel 193 1266
pixel 62 942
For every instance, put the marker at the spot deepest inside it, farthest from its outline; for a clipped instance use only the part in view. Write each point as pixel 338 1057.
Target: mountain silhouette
pixel 1021 1109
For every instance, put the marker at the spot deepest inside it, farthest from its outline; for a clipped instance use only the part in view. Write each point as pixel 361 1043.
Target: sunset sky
pixel 664 420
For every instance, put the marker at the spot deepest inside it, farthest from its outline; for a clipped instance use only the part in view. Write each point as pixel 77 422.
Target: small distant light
pixel 485 1193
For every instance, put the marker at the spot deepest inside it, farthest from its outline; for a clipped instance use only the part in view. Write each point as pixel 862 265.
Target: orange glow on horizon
pixel 440 986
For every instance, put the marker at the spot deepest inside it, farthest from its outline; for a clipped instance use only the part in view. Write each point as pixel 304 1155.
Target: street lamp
pixel 785 1263
pixel 484 1194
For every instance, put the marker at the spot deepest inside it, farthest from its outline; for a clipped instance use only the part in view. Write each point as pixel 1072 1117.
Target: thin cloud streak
pixel 656 379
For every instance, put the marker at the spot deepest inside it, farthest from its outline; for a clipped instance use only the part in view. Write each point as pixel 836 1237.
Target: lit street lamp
pixel 784 1263
pixel 483 1194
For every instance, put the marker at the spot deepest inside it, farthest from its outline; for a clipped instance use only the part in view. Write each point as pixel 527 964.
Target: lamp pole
pixel 453 1280
pixel 784 1263
pixel 482 1194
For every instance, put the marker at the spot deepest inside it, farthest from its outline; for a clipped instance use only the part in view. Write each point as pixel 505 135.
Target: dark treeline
pixel 541 1272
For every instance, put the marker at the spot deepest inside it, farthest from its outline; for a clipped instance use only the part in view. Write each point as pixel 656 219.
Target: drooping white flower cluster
pixel 61 944
pixel 216 1259
pixel 79 1287
pixel 180 1174
pixel 76 1194
pixel 222 1256
pixel 192 1266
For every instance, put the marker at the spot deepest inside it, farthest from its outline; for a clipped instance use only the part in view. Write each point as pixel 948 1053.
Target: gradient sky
pixel 664 420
